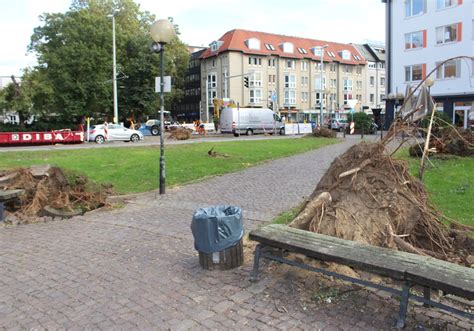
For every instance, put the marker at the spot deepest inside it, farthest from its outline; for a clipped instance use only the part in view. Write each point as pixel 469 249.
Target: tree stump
pixel 229 258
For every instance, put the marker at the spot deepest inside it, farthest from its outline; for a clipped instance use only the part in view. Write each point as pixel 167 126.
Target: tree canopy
pixel 74 76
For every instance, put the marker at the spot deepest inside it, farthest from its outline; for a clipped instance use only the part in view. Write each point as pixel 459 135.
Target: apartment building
pixel 284 73
pixel 190 108
pixel 421 35
pixel 375 79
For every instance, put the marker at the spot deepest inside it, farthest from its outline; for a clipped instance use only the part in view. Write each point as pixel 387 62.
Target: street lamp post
pixel 114 79
pixel 162 32
pixel 321 117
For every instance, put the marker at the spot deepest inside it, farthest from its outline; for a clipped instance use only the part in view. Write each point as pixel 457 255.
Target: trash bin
pixel 218 233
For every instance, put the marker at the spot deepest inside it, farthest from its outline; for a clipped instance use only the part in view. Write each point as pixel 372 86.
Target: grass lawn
pixel 136 169
pixel 450 184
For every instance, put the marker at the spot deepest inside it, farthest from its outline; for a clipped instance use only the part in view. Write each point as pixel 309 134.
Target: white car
pixel 100 134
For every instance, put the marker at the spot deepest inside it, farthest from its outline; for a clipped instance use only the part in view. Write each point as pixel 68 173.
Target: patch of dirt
pixel 52 189
pixel 180 133
pixel 324 132
pixel 369 197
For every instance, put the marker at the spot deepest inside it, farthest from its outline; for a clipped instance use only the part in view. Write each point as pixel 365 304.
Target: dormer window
pixel 253 43
pixel 302 50
pixel 317 51
pixel 287 47
pixel 215 45
pixel 345 54
pixel 270 47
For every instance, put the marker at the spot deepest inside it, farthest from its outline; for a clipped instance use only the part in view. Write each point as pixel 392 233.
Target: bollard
pixel 344 133
pixel 362 133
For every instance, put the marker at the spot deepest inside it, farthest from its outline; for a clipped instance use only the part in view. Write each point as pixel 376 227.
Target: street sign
pixel 167 87
pixel 274 96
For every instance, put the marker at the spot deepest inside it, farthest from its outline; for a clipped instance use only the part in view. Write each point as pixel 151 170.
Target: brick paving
pixel 136 267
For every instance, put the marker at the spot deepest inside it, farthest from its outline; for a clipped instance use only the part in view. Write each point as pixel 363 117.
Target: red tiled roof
pixel 234 40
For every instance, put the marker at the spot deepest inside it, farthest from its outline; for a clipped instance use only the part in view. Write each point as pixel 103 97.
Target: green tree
pixel 74 52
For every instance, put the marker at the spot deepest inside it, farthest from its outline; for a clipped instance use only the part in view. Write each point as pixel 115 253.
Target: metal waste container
pixel 218 232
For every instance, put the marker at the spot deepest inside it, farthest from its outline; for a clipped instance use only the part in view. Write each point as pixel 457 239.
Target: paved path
pixel 136 267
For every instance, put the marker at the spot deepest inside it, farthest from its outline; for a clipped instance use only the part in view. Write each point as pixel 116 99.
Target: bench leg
pixel 427 296
pixel 256 261
pixel 402 314
pixel 2 211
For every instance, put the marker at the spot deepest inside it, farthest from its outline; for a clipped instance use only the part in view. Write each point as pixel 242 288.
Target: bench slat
pixel 423 270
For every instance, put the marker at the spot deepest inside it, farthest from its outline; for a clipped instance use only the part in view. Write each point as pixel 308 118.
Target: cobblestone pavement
pixel 136 267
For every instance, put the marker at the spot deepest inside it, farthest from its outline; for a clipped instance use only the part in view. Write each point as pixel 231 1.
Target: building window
pixel 372 65
pixel 414 7
pixel 414 40
pixel 347 97
pixel 271 63
pixel 302 50
pixel 317 83
pixel 347 69
pixel 290 97
pixel 255 61
pixel 371 98
pixel 304 81
pixel 441 4
pixel 255 96
pixel 212 80
pixel 290 81
pixel 347 86
pixel 382 96
pixel 451 69
pixel 255 79
pixel 413 73
pixel 447 34
pixel 304 96
pixel 290 64
pixel 270 47
pixel 372 80
pixel 333 83
pixel 359 97
pixel 287 47
pixel 304 65
pixel 382 81
pixel 333 67
pixel 271 79
pixel 358 70
pixel 359 85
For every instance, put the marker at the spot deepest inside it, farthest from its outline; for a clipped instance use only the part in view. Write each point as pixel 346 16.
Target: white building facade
pixel 421 34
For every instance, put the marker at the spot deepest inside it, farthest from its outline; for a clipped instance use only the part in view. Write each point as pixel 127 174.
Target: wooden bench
pixel 411 269
pixel 7 195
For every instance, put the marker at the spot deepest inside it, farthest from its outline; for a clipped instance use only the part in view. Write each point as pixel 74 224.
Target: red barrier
pixel 41 138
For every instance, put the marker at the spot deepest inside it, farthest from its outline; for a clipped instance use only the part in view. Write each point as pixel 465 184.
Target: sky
pixel 202 21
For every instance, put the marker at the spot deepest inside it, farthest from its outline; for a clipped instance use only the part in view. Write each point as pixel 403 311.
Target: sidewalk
pixel 136 267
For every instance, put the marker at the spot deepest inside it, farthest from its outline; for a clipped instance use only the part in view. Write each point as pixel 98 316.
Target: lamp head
pixel 429 82
pixel 162 31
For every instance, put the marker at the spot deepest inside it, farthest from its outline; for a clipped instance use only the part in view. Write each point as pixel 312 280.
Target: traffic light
pixel 246 81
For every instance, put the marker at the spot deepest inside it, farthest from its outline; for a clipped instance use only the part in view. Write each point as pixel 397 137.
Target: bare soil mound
pixel 50 189
pixel 324 132
pixel 180 133
pixel 369 197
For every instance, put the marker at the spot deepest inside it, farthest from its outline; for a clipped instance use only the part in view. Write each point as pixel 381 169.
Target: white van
pixel 250 121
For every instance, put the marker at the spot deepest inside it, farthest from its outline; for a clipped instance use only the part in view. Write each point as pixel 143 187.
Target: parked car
pixel 338 124
pixel 98 133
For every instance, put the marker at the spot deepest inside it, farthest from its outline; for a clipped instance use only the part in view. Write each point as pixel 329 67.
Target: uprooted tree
pixel 368 196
